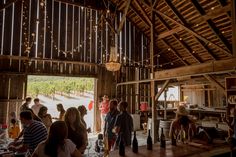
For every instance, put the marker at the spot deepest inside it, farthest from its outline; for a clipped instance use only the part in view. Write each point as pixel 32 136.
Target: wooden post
pixel 154 115
pixel 233 15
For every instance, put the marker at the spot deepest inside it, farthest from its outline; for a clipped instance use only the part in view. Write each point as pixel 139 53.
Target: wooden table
pixel 182 150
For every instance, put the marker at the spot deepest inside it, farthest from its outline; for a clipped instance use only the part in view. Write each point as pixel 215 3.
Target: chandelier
pixel 113 65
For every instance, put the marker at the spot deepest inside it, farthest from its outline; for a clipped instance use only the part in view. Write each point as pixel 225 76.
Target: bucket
pixel 165 124
pixel 143 106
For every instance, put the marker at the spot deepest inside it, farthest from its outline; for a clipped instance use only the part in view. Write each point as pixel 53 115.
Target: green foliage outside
pixel 51 85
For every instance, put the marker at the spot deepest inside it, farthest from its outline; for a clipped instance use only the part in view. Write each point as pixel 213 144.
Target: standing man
pixel 36 106
pixel 25 105
pixel 104 108
pixel 34 133
pixel 109 123
pixel 124 124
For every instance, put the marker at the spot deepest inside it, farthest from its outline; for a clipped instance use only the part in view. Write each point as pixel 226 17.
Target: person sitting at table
pixel 182 122
pixel 14 130
pixel 34 133
pixel 57 143
pixel 77 132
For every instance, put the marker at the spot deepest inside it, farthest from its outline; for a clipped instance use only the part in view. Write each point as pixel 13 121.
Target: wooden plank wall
pixel 12 88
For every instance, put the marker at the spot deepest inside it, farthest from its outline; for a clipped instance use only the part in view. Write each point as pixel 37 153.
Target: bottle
pixel 135 143
pixel 162 139
pixel 182 134
pixel 149 140
pixel 190 133
pixel 121 146
pixel 173 139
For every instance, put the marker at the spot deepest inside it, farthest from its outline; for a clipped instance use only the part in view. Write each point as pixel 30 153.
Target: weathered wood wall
pixel 12 93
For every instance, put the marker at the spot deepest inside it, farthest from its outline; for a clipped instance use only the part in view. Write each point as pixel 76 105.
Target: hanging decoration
pixel 113 65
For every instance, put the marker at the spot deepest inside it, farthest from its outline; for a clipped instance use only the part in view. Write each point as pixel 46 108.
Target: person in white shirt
pixel 36 106
pixel 57 144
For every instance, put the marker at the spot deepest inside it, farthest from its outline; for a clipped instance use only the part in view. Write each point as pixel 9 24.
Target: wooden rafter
pixel 140 15
pixel 212 25
pixel 142 11
pixel 208 16
pixel 162 89
pixel 184 45
pixel 169 32
pixel 9 3
pixel 234 27
pixel 124 16
pixel 174 51
pixel 224 3
pixel 212 14
pixel 180 17
pixel 215 82
pixel 194 33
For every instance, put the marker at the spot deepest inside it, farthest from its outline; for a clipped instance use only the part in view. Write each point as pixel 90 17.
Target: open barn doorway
pixel 69 91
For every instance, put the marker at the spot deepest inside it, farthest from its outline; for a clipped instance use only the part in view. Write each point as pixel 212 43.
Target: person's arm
pixel 171 129
pixel 20 148
pixel 116 128
pixel 76 153
pixel 105 127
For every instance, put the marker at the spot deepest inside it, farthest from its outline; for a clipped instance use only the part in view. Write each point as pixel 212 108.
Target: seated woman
pixel 57 144
pixel 182 123
pixel 45 117
pixel 76 130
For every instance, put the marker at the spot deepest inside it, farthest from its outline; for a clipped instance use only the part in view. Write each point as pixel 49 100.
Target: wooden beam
pixel 162 89
pixel 212 14
pixel 182 43
pixel 110 26
pixel 170 32
pixel 45 59
pixel 9 3
pixel 142 11
pixel 194 33
pixel 214 67
pixel 124 16
pixel 79 4
pixel 140 15
pixel 233 16
pixel 176 12
pixel 212 26
pixel 152 84
pixel 174 51
pixel 215 82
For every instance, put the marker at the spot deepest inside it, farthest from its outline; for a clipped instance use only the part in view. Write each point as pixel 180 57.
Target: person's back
pixel 182 122
pixel 35 133
pixel 57 144
pixel 124 124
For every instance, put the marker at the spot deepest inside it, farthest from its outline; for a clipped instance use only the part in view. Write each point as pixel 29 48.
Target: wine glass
pixel 89 146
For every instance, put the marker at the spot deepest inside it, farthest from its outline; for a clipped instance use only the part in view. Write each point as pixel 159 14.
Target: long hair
pixel 41 111
pixel 78 122
pixel 61 108
pixel 57 134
